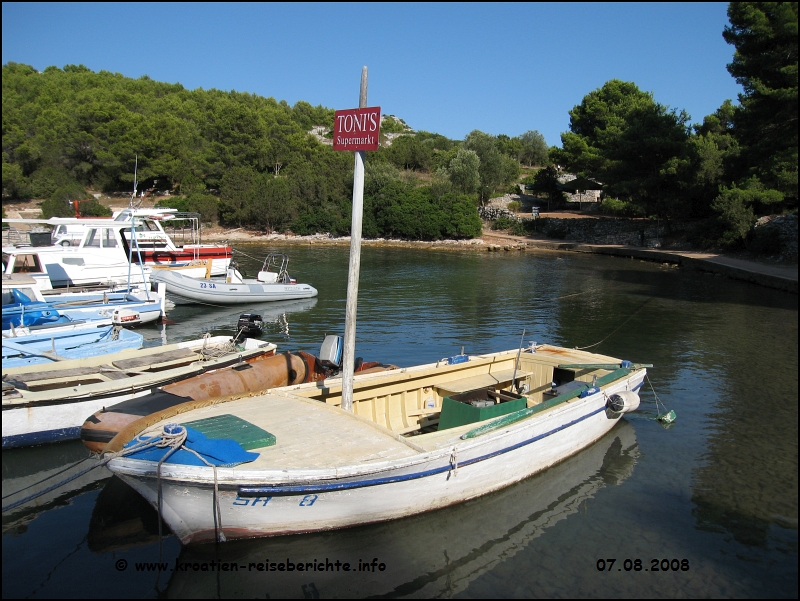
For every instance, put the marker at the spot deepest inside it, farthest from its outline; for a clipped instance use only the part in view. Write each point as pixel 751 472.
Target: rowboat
pixel 406 564
pixel 418 439
pixel 272 284
pixel 254 375
pixel 43 404
pixel 67 341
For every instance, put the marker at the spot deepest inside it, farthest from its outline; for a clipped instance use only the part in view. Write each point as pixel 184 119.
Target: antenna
pixel 135 181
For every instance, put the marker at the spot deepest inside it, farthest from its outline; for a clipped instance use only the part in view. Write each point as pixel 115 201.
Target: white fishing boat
pixel 49 403
pixel 470 538
pixel 273 283
pixel 418 439
pixel 123 250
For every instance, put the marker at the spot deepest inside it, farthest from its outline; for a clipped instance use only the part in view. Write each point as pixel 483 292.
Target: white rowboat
pixel 391 457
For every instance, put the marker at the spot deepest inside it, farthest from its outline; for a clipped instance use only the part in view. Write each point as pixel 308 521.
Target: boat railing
pixel 28 235
pixel 13 237
pixel 277 263
pixel 184 227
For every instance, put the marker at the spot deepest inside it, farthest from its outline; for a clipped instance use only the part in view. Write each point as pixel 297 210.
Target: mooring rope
pixel 137 447
pixel 658 401
pixel 236 250
pixel 631 316
pixel 58 473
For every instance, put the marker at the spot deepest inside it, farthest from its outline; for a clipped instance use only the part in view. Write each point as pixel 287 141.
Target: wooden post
pixel 348 361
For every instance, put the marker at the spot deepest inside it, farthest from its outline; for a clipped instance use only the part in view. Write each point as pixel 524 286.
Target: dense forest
pixel 237 158
pixel 247 161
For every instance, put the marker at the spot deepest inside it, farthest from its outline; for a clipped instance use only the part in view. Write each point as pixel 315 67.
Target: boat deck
pixel 310 434
pixel 105 373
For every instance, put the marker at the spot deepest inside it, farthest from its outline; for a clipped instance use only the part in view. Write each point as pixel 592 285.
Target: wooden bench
pixel 482 381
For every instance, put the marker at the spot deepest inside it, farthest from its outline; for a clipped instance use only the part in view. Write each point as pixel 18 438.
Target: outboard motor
pixel 250 325
pixel 330 354
pixel 126 317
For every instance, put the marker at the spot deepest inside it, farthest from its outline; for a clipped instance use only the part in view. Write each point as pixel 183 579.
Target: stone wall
pixel 493 212
pixel 782 229
pixel 639 232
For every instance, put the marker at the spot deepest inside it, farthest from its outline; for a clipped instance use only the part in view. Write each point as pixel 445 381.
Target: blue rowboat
pixel 73 343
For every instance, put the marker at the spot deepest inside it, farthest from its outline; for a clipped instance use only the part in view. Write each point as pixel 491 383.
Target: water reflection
pixel 29 471
pixel 470 539
pixel 718 488
pixel 185 322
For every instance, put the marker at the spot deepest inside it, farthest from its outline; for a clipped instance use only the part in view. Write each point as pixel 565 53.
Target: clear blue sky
pixel 446 68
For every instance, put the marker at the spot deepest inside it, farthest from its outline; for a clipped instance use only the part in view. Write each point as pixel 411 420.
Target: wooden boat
pixel 418 439
pixel 471 538
pixel 273 284
pixel 67 341
pixel 256 375
pixel 49 403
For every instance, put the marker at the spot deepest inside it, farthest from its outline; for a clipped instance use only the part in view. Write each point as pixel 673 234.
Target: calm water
pixel 718 489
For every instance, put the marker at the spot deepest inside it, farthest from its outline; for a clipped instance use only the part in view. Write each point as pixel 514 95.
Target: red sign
pixel 357 129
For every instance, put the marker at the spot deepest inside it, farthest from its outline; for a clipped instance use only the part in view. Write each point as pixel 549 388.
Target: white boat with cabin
pixel 418 439
pixel 123 250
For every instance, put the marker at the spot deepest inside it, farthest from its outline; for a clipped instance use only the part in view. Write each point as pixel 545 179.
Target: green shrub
pixel 737 216
pixel 60 203
pixel 518 229
pixel 93 208
pixel 46 181
pixel 179 203
pixel 514 206
pixel 620 208
pixel 503 223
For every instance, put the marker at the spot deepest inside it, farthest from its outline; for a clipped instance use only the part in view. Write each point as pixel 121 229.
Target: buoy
pixel 623 402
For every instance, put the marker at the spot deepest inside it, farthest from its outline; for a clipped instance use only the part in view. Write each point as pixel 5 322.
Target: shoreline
pixel 780 277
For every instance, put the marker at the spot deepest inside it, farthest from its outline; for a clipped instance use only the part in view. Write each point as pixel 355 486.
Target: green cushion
pixel 235 428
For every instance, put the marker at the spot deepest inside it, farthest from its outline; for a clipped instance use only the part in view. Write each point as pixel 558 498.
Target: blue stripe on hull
pixel 34 438
pixel 248 491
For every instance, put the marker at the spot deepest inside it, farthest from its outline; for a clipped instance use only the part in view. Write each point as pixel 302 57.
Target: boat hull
pixel 255 503
pixel 57 414
pixel 190 290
